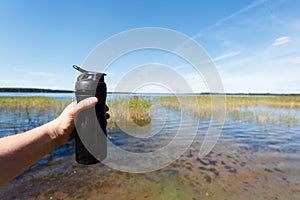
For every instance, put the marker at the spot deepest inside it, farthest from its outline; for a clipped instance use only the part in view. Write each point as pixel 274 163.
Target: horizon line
pixel 45 90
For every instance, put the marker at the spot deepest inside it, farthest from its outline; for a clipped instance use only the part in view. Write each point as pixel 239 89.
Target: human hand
pixel 39 141
pixel 63 125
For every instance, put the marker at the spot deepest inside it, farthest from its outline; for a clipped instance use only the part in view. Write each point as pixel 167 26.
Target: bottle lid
pixel 89 80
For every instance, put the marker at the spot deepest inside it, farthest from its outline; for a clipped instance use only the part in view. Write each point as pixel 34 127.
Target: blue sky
pixel 254 44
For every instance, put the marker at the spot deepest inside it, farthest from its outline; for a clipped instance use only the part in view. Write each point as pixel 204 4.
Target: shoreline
pixel 45 90
pixel 34 90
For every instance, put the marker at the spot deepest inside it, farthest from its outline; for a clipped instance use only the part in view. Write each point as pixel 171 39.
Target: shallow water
pixel 251 160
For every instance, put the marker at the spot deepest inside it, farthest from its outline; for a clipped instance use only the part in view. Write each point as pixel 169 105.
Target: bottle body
pixel 91 123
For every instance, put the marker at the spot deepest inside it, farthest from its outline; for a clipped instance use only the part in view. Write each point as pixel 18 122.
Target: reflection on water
pixel 11 123
pixel 250 161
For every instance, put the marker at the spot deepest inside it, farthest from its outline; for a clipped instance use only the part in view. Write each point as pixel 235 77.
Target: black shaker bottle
pixel 90 84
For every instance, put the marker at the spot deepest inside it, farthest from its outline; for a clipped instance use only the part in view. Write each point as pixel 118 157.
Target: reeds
pixel 28 104
pixel 272 101
pixel 259 109
pixel 23 113
pixel 136 109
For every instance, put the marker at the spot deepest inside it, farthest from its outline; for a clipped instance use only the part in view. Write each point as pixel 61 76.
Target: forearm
pixel 18 152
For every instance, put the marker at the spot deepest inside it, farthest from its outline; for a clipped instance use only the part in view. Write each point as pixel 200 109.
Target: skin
pixel 20 151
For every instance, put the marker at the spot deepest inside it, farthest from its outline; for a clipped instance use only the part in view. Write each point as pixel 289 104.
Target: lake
pixel 253 159
pixel 34 94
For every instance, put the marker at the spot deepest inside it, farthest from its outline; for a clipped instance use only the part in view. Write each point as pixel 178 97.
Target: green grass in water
pixel 136 109
pixel 29 104
pixel 240 108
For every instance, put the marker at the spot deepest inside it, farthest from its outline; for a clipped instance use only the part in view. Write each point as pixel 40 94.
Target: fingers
pixel 107 116
pixel 88 103
pixel 85 104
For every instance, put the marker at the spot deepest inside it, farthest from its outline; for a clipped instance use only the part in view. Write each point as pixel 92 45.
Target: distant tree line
pixel 39 90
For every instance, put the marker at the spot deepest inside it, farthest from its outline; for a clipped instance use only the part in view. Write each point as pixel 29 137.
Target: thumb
pixel 85 104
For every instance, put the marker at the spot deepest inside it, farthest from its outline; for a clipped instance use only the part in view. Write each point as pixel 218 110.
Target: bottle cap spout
pixel 79 69
pixel 87 72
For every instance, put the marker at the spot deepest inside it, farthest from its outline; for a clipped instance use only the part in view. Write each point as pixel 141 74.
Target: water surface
pixel 252 160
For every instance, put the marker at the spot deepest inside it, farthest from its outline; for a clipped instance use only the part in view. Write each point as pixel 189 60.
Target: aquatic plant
pixel 132 108
pixel 23 113
pixel 137 109
pixel 27 104
pixel 260 109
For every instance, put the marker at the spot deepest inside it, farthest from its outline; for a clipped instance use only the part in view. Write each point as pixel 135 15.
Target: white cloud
pixel 230 17
pixel 262 82
pixel 260 66
pixel 295 61
pixel 225 55
pixel 281 41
